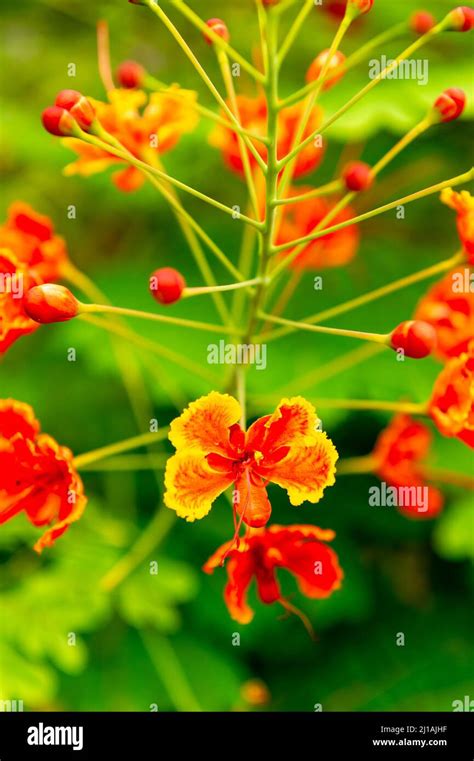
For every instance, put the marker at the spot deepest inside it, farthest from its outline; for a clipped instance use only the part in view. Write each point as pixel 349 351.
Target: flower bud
pixel 316 68
pixel 270 2
pixel 57 121
pixel 357 176
pixel 167 285
pixel 415 337
pixel 219 27
pixel 461 19
pixel 50 303
pixel 450 104
pixel 421 22
pixel 78 106
pixel 130 75
pixel 358 7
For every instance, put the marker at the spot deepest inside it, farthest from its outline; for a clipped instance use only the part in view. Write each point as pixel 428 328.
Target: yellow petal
pixel 191 485
pixel 306 471
pixel 204 425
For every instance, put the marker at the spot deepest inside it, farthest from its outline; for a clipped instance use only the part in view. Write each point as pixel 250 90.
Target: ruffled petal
pixel 306 470
pixel 192 486
pixel 204 424
pixel 293 423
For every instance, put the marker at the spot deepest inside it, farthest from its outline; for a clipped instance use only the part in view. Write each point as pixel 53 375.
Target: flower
pixel 463 204
pixel 452 402
pixel 253 117
pixel 299 549
pixel 214 452
pixel 144 126
pixel 37 475
pixel 398 455
pixel 451 312
pixel 31 239
pixel 30 254
pixel 301 219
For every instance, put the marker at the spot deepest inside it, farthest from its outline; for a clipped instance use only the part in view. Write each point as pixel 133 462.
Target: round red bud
pixel 78 106
pixel 450 104
pixel 360 6
pixel 461 19
pixel 57 121
pixel 316 68
pixel 167 285
pixel 358 176
pixel 421 22
pixel 130 75
pixel 50 303
pixel 219 27
pixel 416 338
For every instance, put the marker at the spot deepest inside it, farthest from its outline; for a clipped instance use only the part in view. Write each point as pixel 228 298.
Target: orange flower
pixel 31 239
pixel 299 549
pixel 253 116
pixel 398 455
pixel 30 254
pixel 214 452
pixel 452 402
pixel 37 475
pixel 147 127
pixel 451 312
pixel 463 203
pixel 301 219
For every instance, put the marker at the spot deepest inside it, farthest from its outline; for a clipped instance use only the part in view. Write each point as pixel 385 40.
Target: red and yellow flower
pixel 463 204
pixel 451 313
pixel 452 402
pixel 37 475
pixel 300 219
pixel 399 455
pixel 30 254
pixel 213 453
pixel 301 550
pixel 253 114
pixel 145 126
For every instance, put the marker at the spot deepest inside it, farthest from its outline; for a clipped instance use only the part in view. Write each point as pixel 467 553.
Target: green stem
pixel 182 322
pixel 294 30
pixel 331 187
pixel 378 293
pixel 218 41
pixel 164 658
pixel 459 179
pixel 202 73
pixel 350 62
pixel 128 462
pixel 271 190
pixel 408 408
pixel 356 465
pixel 142 165
pixel 378 338
pixel 120 446
pixel 220 288
pixel 155 85
pixel 151 347
pixel 368 87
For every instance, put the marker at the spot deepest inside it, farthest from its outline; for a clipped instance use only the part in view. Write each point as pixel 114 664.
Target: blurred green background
pixel 166 640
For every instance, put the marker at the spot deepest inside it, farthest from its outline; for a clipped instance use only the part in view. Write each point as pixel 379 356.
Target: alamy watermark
pixel 413 68
pixel 415 497
pixel 12 283
pixel 224 353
